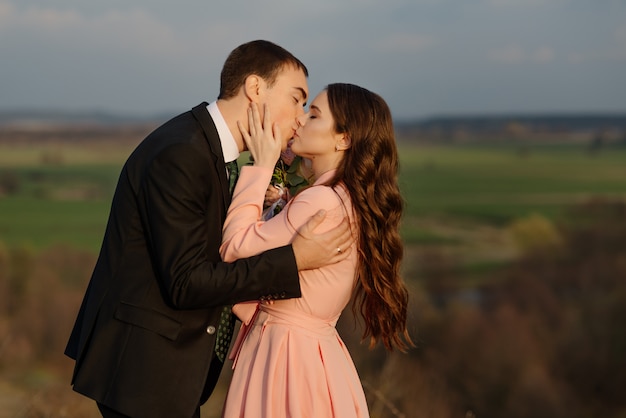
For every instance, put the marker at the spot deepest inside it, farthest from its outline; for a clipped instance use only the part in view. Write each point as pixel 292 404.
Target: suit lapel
pixel 210 132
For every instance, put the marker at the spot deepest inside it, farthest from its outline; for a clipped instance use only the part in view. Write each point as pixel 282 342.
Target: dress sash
pixel 262 314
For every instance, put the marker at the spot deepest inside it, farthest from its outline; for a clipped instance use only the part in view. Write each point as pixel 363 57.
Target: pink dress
pixel 289 360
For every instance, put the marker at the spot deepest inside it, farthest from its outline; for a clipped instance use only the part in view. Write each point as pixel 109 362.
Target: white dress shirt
pixel 229 146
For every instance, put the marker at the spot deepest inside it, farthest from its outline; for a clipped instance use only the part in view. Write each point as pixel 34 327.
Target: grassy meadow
pixel 460 199
pixel 450 191
pixel 497 184
pixel 59 193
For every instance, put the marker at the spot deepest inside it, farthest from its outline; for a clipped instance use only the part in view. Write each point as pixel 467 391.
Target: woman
pixel 289 359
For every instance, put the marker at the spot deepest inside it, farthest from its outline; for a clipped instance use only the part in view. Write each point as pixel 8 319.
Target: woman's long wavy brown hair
pixel 369 171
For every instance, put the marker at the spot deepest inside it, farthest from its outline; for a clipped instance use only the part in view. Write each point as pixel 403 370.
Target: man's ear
pixel 252 87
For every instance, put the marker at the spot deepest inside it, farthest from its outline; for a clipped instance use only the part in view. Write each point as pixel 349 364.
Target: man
pixel 145 334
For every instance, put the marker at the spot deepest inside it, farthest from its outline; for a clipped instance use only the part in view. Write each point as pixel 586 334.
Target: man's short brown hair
pixel 262 58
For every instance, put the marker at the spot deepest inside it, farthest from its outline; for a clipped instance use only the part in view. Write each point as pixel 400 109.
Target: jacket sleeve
pixel 182 210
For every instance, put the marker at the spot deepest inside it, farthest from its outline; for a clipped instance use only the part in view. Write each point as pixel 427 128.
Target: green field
pixel 454 194
pixel 57 205
pixel 498 184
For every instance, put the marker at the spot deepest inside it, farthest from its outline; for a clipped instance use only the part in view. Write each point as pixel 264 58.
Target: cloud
pixel 6 11
pixel 404 43
pixel 612 50
pixel 49 20
pixel 620 40
pixel 523 3
pixel 71 29
pixel 515 54
pixel 508 55
pixel 543 54
pixel 620 34
pixel 35 18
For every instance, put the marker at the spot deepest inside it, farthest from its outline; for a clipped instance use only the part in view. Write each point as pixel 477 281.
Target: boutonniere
pixel 289 177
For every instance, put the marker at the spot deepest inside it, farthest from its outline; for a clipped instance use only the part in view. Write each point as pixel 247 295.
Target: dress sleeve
pixel 245 234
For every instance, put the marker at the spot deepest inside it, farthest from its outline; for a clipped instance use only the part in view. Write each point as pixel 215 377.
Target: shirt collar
pixel 229 146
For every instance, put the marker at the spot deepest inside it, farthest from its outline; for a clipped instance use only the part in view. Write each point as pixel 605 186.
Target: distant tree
pixel 20 268
pixel 52 157
pixel 4 279
pixel 439 273
pixel 10 183
pixel 598 141
pixel 536 234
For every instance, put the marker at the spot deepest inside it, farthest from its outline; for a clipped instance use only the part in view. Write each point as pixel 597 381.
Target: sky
pixel 425 57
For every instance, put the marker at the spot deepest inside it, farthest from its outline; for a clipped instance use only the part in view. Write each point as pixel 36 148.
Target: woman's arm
pixel 245 235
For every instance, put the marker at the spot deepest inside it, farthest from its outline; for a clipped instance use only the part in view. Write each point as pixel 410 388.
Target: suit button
pixel 210 330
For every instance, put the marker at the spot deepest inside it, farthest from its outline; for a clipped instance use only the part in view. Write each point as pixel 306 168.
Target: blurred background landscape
pixel 511 125
pixel 515 234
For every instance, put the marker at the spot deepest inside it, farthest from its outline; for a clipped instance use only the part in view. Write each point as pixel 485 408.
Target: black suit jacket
pixel 144 336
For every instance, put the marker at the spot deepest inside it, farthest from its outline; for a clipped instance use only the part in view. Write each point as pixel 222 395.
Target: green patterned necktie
pixel 224 332
pixel 233 175
pixel 227 320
